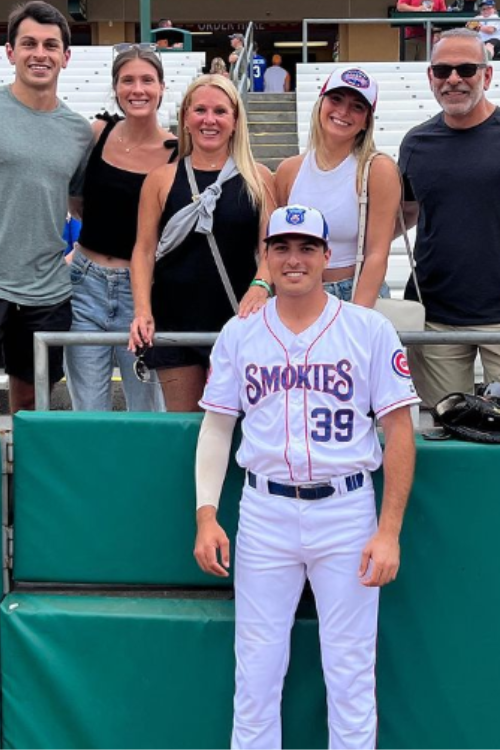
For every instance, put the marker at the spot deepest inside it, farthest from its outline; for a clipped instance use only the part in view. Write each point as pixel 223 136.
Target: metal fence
pixel 393 21
pixel 42 341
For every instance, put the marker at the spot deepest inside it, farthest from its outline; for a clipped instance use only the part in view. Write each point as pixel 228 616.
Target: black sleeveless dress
pixel 188 294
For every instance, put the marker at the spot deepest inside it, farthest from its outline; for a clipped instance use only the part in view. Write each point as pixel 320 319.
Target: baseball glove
pixel 468 417
pixel 473 25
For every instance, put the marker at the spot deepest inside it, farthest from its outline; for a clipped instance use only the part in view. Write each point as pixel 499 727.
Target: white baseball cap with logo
pixel 352 78
pixel 297 219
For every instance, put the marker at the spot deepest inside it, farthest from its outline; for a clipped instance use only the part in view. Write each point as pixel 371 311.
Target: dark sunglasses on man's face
pixel 464 70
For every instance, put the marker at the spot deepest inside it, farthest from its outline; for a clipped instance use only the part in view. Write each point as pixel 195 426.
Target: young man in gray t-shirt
pixel 43 151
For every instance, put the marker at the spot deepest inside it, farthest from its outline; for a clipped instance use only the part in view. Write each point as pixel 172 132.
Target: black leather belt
pixel 297 491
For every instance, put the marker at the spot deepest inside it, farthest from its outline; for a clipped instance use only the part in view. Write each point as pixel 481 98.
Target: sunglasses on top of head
pixel 464 70
pixel 125 46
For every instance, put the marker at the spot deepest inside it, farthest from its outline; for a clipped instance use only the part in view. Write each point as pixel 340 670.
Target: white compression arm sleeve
pixel 212 457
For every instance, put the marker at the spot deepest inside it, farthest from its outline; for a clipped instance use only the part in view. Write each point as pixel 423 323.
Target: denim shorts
pixel 343 289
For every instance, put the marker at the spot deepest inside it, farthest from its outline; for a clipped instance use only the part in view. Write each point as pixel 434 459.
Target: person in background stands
pixel 276 78
pixel 218 67
pixel 126 150
pixel 44 147
pixel 237 43
pixel 259 66
pixel 487 24
pixel 415 37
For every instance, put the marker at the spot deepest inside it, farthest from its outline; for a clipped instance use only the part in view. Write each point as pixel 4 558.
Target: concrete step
pixel 273 106
pixel 274 150
pixel 276 117
pixel 257 139
pixel 261 127
pixel 261 97
pixel 60 400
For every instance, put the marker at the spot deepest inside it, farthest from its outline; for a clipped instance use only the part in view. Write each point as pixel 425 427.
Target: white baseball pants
pixel 280 542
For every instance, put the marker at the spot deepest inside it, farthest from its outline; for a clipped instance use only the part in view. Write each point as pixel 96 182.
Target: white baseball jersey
pixel 308 398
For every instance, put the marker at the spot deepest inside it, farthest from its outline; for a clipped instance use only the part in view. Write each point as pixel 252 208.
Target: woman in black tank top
pixel 126 149
pixel 188 293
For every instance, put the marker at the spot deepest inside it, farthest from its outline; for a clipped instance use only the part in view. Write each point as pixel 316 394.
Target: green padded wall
pixel 2 500
pixel 106 672
pixel 439 660
pixel 109 498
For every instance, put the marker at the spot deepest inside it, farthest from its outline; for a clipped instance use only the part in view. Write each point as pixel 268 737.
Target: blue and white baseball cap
pixel 297 219
pixel 356 79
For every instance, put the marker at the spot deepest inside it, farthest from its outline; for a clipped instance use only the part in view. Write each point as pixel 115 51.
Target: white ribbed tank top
pixel 334 194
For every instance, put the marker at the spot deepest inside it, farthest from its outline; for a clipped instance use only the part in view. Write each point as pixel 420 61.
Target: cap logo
pixel 355 78
pixel 295 216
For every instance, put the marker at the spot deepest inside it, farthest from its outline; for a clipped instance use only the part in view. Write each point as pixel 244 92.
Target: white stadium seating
pixel 85 85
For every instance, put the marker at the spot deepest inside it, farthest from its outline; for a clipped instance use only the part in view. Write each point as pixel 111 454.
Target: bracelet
pixel 264 284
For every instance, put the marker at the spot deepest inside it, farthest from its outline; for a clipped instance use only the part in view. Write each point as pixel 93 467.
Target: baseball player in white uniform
pixel 308 372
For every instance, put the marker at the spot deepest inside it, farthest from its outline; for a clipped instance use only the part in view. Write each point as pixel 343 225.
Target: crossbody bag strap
pixel 363 211
pixel 212 242
pixel 409 251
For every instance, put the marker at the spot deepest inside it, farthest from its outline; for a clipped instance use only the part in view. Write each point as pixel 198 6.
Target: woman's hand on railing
pixel 142 330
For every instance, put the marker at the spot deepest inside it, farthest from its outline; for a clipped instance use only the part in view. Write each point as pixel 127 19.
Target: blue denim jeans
pixel 102 301
pixel 343 289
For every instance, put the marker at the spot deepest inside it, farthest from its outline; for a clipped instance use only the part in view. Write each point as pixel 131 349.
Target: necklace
pixel 210 166
pixel 128 149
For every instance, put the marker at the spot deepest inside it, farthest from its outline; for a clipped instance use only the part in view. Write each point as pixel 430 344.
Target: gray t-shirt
pixel 42 160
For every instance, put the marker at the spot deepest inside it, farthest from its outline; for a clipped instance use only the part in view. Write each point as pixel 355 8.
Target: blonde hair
pixel 218 66
pixel 364 144
pixel 239 145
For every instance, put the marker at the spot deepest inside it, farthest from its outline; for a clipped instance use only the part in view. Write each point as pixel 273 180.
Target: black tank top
pixel 188 294
pixel 111 203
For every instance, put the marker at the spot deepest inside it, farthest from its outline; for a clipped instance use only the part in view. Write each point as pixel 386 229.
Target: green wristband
pixel 263 283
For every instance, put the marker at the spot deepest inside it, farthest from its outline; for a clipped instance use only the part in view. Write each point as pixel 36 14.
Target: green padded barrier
pixel 4 512
pixel 106 672
pixel 109 498
pixel 439 664
pixel 439 659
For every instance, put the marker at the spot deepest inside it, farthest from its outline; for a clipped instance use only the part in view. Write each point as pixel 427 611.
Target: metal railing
pixel 242 75
pixel 42 341
pixel 393 21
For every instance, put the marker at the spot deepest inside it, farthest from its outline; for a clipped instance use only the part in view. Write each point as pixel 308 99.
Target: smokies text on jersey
pixel 330 378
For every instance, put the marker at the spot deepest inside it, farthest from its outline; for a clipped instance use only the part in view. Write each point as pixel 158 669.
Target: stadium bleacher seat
pixel 85 85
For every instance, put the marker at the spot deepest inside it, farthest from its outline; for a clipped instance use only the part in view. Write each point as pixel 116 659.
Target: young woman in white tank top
pixel 328 176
